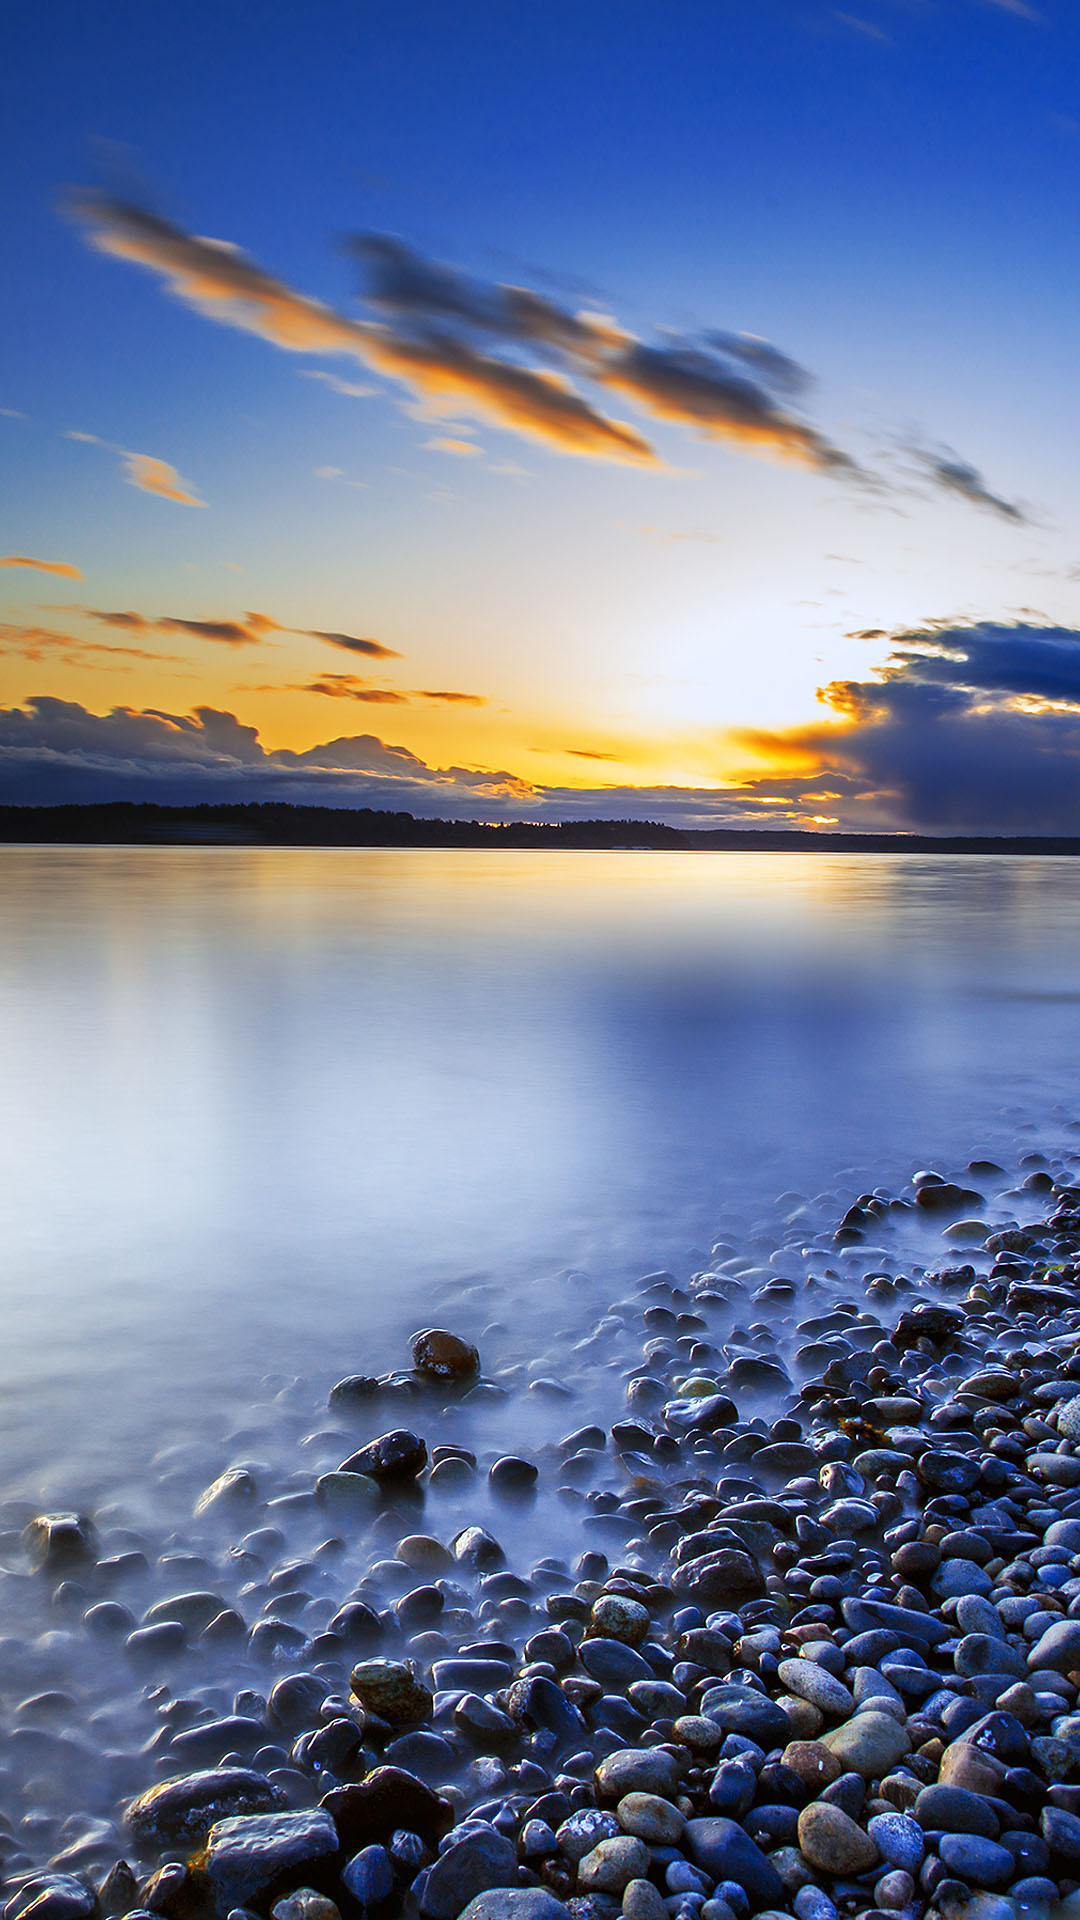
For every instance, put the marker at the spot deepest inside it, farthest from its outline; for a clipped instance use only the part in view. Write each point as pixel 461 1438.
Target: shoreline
pixel 275 824
pixel 718 1710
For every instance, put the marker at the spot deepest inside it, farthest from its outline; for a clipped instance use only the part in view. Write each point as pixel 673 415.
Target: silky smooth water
pixel 262 1109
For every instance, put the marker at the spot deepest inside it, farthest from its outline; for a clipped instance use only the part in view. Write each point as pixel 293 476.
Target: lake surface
pixel 265 1112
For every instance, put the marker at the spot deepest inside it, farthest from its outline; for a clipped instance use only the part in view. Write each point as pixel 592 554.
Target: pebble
pixel 831 1841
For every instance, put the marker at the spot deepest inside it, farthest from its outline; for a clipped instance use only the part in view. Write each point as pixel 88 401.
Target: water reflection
pixel 256 1105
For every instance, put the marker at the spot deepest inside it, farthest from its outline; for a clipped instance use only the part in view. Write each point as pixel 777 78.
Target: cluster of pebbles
pixel 824 1663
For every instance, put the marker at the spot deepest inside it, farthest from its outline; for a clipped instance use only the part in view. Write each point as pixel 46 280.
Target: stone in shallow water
pixel 235 1487
pixel 60 1542
pixel 246 1855
pixel 444 1356
pixel 397 1455
pixel 184 1808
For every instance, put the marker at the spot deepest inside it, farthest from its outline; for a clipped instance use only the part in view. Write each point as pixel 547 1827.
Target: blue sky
pixel 885 192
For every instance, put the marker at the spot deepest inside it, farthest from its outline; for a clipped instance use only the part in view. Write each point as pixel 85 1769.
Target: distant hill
pixel 277 824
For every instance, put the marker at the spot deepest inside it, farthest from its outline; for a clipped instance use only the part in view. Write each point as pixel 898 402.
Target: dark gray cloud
pixel 463 343
pixel 967 728
pixel 957 476
pixel 726 386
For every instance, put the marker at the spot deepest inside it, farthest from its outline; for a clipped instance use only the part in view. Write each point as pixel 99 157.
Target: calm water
pixel 259 1108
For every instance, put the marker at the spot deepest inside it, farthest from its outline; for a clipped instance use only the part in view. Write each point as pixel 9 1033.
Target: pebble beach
pixel 811 1645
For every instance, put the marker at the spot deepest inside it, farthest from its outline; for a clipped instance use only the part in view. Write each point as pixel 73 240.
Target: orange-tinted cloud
pixel 248 631
pixel 142 470
pixel 62 567
pixel 451 698
pixel 221 282
pixel 46 643
pixel 345 686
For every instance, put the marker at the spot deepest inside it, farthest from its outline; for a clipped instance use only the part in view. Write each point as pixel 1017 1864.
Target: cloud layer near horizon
pixel 965 729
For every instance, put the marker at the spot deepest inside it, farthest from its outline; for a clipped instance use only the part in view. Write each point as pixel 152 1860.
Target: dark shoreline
pixel 278 824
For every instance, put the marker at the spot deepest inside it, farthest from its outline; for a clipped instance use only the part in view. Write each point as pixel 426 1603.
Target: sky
pixel 582 412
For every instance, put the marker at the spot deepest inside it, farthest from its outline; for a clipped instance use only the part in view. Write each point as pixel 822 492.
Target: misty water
pixel 264 1112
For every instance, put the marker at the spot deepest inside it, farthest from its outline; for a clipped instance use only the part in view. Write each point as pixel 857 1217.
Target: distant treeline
pixel 277 824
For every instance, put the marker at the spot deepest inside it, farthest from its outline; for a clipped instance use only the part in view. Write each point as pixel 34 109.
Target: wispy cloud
pixel 959 477
pixel 1020 7
pixel 249 629
pixel 349 686
pixel 142 470
pixel 866 28
pixel 514 356
pixel 64 568
pixel 145 471
pixel 47 643
pixel 353 390
pixel 460 447
pixel 221 282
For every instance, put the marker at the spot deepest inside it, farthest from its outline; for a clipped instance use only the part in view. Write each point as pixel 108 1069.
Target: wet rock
pixel 480 1861
pixel 388 1799
pixel 633 1770
pixel 51 1896
pixel 58 1542
pixel 510 1474
pixel 722 1849
pixel 235 1488
pixel 247 1856
pixel 391 1689
pixel 444 1356
pixel 615 1616
pixel 516 1903
pixel 726 1578
pixel 369 1876
pixel 305 1904
pixel 397 1455
pixel 188 1806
